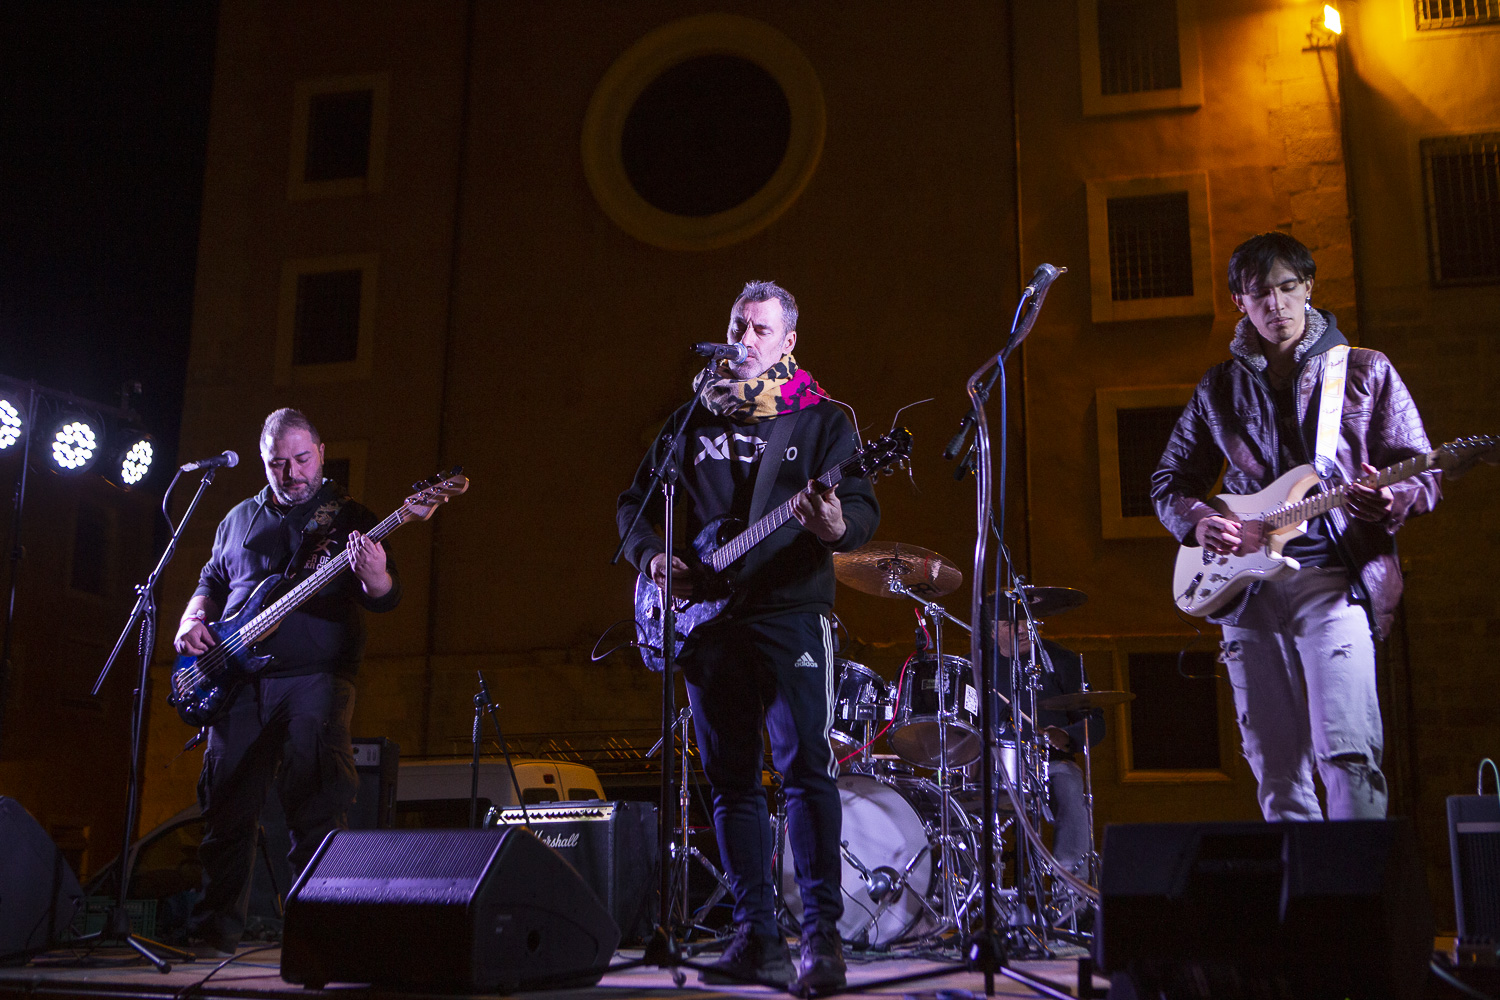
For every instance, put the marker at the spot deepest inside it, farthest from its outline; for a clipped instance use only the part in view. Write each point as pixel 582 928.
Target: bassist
pixel 767 659
pixel 1299 649
pixel 290 721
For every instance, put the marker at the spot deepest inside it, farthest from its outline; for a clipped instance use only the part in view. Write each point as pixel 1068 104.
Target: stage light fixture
pixel 133 460
pixel 1331 19
pixel 11 424
pixel 75 444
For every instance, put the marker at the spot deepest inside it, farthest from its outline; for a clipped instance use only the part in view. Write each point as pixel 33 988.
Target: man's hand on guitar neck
pixel 1367 504
pixel 682 577
pixel 1223 536
pixel 820 511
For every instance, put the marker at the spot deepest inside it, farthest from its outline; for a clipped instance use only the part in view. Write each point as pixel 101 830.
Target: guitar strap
pixel 770 463
pixel 1330 412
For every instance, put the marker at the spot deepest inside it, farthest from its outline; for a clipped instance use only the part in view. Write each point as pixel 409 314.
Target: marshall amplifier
pixel 611 844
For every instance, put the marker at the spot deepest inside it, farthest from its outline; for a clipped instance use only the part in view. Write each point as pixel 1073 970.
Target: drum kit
pixel 912 817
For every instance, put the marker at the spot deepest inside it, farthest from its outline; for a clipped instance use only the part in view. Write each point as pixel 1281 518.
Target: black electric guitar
pixel 717 547
pixel 202 685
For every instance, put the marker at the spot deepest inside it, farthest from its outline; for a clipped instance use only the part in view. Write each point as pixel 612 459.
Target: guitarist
pixel 1300 649
pixel 767 660
pixel 293 716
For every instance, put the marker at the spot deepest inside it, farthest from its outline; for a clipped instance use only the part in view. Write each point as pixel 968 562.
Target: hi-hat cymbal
pixel 1084 701
pixel 1045 601
pixel 873 566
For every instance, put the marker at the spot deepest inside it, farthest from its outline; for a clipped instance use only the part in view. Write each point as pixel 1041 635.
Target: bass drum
pixel 889 829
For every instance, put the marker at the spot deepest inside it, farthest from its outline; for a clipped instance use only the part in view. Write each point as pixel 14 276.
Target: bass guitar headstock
pixel 431 493
pixel 886 453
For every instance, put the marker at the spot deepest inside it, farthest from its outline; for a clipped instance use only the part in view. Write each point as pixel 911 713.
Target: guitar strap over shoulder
pixel 770 463
pixel 1331 412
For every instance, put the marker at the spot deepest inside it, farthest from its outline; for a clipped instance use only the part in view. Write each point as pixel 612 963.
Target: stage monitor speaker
pixel 376 761
pixel 611 844
pixel 39 894
pixel 1474 846
pixel 474 911
pixel 1230 910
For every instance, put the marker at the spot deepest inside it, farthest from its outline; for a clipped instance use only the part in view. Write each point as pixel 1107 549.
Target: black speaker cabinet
pixel 446 911
pixel 1474 846
pixel 39 894
pixel 376 761
pixel 612 845
pixel 1295 910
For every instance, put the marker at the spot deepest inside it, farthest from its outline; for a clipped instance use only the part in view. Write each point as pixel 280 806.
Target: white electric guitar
pixel 1204 582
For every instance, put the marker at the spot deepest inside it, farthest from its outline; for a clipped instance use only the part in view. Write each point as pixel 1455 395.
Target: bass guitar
pixel 718 547
pixel 1203 582
pixel 201 685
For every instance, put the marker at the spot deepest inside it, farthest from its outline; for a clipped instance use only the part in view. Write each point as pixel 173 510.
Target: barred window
pixel 1150 247
pixel 1433 14
pixel 1462 176
pixel 327 323
pixel 1138 46
pixel 1142 435
pixel 1174 719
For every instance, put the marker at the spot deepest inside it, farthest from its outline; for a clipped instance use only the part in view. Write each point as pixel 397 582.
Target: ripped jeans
pixel 1301 661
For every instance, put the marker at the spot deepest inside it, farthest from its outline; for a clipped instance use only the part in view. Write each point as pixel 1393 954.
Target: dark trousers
pixel 294 730
pixel 779 673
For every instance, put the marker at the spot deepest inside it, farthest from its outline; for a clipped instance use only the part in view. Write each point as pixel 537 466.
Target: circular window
pixel 703 132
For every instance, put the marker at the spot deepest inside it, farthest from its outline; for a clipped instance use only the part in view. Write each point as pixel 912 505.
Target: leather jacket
pixel 1232 417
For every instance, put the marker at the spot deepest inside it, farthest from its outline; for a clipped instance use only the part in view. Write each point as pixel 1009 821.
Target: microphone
pixel 228 458
pixel 1044 275
pixel 733 353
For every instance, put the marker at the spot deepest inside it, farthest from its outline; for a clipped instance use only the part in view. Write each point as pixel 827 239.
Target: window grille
pixel 1432 14
pixel 1138 46
pixel 338 135
pixel 1174 719
pixel 1142 434
pixel 1150 247
pixel 327 319
pixel 1462 175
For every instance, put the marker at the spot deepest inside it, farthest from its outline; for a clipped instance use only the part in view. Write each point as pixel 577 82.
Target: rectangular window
pixel 1143 436
pixel 1174 719
pixel 1432 14
pixel 93 541
pixel 1138 48
pixel 1150 247
pixel 327 325
pixel 338 135
pixel 1462 177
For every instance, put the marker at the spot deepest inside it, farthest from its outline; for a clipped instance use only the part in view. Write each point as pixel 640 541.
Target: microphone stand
pixel 664 950
pixel 482 704
pixel 117 919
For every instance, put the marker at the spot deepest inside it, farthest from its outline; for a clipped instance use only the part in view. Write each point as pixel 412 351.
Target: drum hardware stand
pixel 117 919
pixel 682 851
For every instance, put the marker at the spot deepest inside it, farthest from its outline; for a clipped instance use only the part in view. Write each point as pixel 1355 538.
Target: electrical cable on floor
pixel 191 988
pixel 1456 983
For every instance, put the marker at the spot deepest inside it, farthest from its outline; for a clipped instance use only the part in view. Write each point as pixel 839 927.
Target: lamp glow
pixel 10 424
pixel 136 462
pixel 1331 19
pixel 74 445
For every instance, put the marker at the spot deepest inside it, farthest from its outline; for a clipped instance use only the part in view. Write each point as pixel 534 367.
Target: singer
pixel 768 660
pixel 289 723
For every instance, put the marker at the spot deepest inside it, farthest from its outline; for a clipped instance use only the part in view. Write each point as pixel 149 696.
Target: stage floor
pixel 115 972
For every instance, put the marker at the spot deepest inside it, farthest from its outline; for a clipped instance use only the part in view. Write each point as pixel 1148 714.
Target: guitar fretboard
pixel 1321 503
pixel 761 530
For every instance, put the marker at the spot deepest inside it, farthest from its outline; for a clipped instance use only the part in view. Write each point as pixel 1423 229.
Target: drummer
pixel 1062 673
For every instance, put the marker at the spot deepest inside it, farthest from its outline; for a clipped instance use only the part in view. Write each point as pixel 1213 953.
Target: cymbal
pixel 1084 701
pixel 871 567
pixel 1045 601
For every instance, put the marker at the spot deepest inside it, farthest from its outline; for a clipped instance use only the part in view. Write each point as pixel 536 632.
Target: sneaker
pixel 822 963
pixel 751 957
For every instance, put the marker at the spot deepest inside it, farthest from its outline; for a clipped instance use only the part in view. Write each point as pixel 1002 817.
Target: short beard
pixel 287 500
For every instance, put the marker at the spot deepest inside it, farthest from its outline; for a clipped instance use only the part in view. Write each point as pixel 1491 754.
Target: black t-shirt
pixel 256 540
pixel 1316 547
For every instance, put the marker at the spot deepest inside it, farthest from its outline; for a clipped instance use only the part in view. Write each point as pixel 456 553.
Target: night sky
pixel 103 123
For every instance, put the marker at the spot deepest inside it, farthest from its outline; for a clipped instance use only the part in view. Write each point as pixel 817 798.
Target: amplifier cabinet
pixel 611 844
pixel 1474 843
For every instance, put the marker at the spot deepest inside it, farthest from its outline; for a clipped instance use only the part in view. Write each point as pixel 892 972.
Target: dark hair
pixel 1253 259
pixel 762 291
pixel 285 419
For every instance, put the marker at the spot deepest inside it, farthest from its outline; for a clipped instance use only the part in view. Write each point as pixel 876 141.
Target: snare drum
pixel 970 794
pixel 926 690
pixel 860 699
